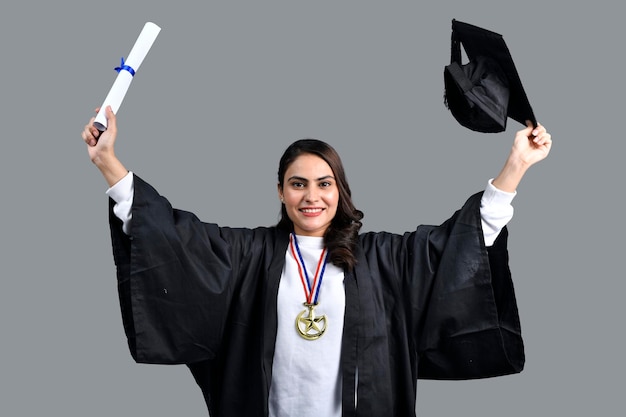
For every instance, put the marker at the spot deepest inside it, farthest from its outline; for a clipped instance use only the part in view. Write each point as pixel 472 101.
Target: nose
pixel 312 194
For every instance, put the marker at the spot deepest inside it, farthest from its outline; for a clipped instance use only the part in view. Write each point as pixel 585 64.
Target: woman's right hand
pixel 100 145
pixel 101 148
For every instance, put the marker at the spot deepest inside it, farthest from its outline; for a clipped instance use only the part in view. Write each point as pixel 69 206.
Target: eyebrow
pixel 295 177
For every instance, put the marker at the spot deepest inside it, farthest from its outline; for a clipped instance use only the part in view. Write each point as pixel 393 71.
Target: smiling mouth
pixel 311 210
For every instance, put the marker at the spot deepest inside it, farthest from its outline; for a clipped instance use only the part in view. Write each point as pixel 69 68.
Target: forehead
pixel 308 166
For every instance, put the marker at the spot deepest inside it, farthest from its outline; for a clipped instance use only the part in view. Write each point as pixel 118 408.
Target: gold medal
pixel 311 327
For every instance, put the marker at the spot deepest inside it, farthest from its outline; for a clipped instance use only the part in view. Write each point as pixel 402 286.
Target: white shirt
pixel 306 374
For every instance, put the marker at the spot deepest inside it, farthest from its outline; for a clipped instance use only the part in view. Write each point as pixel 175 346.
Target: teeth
pixel 310 210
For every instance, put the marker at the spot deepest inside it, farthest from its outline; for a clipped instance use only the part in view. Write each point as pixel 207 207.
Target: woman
pixel 310 317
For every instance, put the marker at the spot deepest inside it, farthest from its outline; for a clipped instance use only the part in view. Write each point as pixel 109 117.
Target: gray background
pixel 225 88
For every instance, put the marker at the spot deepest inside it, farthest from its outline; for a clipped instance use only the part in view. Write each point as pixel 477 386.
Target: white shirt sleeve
pixel 495 211
pixel 122 193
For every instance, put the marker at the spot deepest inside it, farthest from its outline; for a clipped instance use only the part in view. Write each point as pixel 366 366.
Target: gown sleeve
pixel 176 277
pixel 468 322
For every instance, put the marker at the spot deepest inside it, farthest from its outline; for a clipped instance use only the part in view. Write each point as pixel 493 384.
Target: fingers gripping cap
pixel 485 91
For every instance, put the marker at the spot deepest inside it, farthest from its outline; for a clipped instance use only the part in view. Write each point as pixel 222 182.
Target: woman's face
pixel 310 195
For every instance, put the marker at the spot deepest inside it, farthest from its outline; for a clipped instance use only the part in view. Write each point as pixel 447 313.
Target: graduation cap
pixel 485 91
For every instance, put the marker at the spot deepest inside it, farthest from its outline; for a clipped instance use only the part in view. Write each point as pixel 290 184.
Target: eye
pixel 297 184
pixel 325 184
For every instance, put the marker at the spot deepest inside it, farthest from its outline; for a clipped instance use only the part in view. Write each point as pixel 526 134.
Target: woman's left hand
pixel 531 145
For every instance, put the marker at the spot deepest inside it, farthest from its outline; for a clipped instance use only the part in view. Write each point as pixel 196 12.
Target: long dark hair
pixel 342 235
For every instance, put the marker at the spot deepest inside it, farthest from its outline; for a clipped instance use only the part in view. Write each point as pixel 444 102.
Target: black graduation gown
pixel 434 303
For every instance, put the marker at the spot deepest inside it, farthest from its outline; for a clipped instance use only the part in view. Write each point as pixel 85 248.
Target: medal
pixel 308 325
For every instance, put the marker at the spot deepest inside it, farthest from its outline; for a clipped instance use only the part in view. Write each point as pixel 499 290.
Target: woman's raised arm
pixel 101 148
pixel 530 146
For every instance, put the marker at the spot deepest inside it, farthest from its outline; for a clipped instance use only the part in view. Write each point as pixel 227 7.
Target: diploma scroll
pixel 126 72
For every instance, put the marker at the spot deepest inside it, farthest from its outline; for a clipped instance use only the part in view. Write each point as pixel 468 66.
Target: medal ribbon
pixel 309 289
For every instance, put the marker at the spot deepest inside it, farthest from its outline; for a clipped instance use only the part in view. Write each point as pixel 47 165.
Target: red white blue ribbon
pixel 311 289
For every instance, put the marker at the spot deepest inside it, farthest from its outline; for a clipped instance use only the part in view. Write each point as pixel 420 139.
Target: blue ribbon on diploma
pixel 125 67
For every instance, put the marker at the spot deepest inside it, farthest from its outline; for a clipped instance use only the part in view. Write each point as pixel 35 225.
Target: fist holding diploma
pixel 125 73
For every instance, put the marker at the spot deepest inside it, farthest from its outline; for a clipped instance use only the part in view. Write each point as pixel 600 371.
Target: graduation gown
pixel 433 303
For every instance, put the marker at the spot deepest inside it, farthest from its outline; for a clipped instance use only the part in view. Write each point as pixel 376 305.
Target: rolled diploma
pixel 120 86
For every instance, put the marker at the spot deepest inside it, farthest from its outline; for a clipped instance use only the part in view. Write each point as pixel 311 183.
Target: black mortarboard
pixel 482 93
